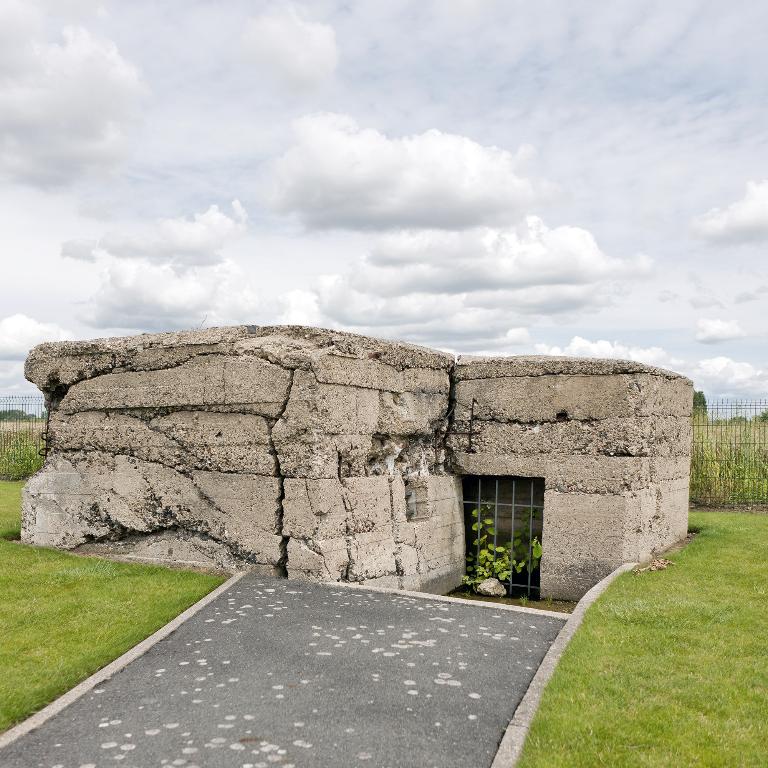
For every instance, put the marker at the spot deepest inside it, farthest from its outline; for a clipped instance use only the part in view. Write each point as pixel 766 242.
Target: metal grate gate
pixel 504 518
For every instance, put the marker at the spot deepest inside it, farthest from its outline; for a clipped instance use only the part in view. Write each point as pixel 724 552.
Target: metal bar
pixel 495 517
pixel 477 537
pixel 512 539
pixel 519 504
pixel 530 541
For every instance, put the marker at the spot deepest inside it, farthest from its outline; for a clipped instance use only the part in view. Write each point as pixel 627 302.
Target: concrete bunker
pixel 324 455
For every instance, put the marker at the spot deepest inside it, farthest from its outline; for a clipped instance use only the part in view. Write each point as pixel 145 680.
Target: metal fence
pixel 22 427
pixel 504 518
pixel 729 461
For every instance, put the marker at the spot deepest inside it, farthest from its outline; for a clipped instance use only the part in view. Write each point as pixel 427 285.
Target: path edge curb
pixel 511 745
pixel 562 615
pixel 105 673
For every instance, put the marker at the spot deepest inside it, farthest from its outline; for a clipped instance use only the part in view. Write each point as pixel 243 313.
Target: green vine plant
pixel 492 561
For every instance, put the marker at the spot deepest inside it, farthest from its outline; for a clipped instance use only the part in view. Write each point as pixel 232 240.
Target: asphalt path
pixel 282 673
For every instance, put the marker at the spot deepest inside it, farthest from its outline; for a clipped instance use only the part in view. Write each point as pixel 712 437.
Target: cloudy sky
pixel 482 176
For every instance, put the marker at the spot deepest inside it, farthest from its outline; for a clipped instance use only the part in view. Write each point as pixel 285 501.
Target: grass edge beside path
pixel 669 667
pixel 10 508
pixel 64 617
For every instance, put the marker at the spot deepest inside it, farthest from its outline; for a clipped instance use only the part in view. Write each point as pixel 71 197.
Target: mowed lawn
pixel 669 668
pixel 10 507
pixel 62 617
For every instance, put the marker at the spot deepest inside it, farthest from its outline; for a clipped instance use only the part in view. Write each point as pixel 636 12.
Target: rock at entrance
pixel 491 588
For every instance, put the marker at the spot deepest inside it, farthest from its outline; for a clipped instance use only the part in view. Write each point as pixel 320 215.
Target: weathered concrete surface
pixel 611 439
pixel 281 449
pixel 330 456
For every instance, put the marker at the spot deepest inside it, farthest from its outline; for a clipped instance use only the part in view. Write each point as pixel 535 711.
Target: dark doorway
pixel 504 519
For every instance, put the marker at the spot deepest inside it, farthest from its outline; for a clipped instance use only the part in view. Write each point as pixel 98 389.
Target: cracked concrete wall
pixel 611 439
pixel 283 449
pixel 329 456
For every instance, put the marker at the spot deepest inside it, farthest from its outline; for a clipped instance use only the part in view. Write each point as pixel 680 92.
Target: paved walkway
pixel 281 673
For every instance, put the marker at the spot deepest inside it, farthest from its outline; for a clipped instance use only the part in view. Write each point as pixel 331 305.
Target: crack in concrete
pixel 169 522
pixel 309 543
pixel 163 518
pixel 450 419
pixel 282 564
pixel 627 371
pixel 202 465
pixel 348 530
pixel 127 366
pixel 398 551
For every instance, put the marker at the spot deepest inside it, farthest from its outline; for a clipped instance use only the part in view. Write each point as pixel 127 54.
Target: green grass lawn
pixel 669 667
pixel 62 617
pixel 10 509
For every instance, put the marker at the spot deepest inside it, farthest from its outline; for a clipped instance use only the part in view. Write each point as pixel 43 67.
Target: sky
pixel 481 176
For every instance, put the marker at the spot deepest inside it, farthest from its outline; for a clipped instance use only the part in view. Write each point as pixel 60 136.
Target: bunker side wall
pixel 292 450
pixel 287 450
pixel 612 443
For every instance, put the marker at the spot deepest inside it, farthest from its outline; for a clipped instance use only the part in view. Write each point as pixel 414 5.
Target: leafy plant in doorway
pixel 489 560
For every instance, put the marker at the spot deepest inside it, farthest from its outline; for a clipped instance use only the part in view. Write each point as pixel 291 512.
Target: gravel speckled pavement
pixel 282 673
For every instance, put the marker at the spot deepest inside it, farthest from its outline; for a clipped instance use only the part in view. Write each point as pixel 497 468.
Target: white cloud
pixel 299 307
pixel 717 376
pixel 466 290
pixel 742 221
pixel 81 250
pixel 753 295
pixel 65 106
pixel 296 51
pixel 338 174
pixel 705 300
pixel 138 295
pixel 580 347
pixel 529 256
pixel 515 336
pixel 724 377
pixel 702 296
pixel 19 333
pixel 179 243
pixel 714 331
pixel 12 378
pixel 73 8
pixel 170 275
pixel 441 320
